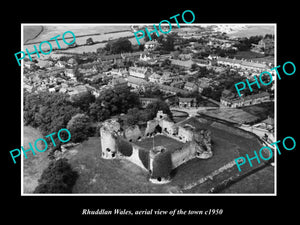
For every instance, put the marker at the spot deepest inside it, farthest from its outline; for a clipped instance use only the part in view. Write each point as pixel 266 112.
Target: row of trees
pixel 135 115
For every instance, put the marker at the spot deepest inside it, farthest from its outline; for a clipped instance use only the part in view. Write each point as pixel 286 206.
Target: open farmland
pixel 79 30
pixel 99 33
pixel 31 32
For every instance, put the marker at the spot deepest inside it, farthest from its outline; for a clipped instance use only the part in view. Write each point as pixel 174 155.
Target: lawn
pixel 248 55
pixel 260 182
pixel 160 140
pixel 232 115
pixel 262 110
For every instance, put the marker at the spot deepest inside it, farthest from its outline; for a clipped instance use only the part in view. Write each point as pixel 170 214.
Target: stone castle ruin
pixel 159 161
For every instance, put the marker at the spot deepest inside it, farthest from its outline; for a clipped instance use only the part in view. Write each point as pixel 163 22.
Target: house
pixel 187 56
pixel 61 64
pixel 77 91
pixel 203 83
pixel 29 64
pixel 265 44
pixel 119 72
pixel 71 73
pixel 140 72
pixel 254 99
pixel 136 82
pixel 155 78
pixel 243 64
pixel 119 82
pixel 171 90
pixel 147 101
pixel 151 45
pixel 186 64
pixel 177 84
pixel 187 102
pixel 189 86
pixel 166 78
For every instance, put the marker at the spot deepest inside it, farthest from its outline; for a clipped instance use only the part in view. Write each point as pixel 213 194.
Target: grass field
pixel 260 182
pixel 261 110
pixel 160 140
pixel 54 30
pixel 232 115
pixel 98 33
pixel 35 164
pixel 31 32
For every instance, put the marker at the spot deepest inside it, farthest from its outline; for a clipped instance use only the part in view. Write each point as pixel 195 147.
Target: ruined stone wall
pixel 185 134
pixel 108 144
pixel 186 153
pixel 133 133
pixel 151 125
pixel 159 162
pixel 169 127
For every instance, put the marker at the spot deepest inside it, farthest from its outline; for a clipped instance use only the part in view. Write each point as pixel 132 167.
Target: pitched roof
pixel 186 99
pixel 136 80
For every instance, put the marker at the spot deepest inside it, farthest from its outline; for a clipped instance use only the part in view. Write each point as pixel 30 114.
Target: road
pixel 193 111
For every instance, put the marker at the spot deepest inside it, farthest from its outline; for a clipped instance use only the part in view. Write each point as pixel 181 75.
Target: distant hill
pixel 252 30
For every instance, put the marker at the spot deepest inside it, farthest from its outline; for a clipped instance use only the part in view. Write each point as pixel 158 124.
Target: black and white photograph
pixel 149 112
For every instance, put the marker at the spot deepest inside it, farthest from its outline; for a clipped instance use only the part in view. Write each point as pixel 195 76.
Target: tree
pixel 89 41
pixel 83 101
pixel 118 46
pixel 151 90
pixel 58 177
pixel 48 111
pixel 167 44
pixel 79 127
pixel 154 107
pixel 113 101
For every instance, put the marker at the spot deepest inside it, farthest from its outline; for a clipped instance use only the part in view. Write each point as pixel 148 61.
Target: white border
pixel 124 194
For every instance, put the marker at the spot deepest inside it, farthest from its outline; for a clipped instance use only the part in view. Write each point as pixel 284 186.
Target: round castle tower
pixel 108 132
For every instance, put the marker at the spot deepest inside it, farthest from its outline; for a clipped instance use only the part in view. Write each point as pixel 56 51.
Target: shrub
pixel 79 127
pixel 58 177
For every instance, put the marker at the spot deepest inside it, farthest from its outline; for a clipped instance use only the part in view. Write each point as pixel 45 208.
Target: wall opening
pixel 158 129
pixel 108 149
